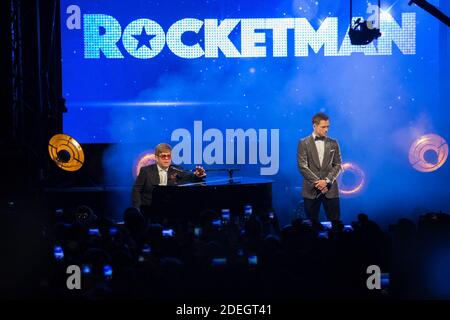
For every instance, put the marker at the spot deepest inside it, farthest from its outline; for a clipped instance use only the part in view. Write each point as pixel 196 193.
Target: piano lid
pixel 223 181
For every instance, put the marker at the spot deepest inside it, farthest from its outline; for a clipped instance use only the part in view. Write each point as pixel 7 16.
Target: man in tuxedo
pixel 319 161
pixel 162 173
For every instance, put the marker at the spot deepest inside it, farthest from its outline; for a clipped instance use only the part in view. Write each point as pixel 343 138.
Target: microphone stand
pixel 229 171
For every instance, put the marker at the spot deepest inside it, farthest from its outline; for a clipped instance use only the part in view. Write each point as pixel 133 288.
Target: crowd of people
pixel 238 255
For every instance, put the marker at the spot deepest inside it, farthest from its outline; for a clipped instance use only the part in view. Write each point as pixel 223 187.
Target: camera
pixel 168 233
pixel 107 271
pixel 385 280
pixel 348 227
pixel 248 210
pixel 225 216
pixel 112 231
pixel 146 249
pixel 86 269
pixel 327 225
pixel 252 260
pixel 94 232
pixel 58 252
pixel 216 262
pixel 323 234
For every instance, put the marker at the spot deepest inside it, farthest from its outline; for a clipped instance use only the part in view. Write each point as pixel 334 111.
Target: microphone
pixel 176 169
pixel 319 194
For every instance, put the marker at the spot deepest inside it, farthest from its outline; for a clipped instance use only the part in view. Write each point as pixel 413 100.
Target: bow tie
pixel 319 138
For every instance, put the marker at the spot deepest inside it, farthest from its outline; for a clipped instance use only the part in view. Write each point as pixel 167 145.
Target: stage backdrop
pixel 234 84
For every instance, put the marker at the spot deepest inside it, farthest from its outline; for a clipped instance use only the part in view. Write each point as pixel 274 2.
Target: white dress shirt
pixel 162 176
pixel 320 145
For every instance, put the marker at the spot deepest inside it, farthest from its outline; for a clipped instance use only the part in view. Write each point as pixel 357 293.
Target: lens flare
pixel 356 187
pixel 426 144
pixel 146 158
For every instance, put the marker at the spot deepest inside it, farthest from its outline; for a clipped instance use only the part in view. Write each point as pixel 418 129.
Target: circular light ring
pixel 145 159
pixel 63 142
pixel 425 143
pixel 356 187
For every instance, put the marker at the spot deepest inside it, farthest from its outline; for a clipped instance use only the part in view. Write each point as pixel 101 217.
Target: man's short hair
pixel 162 147
pixel 319 117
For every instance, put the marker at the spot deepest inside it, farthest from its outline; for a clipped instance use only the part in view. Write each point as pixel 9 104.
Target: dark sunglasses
pixel 165 156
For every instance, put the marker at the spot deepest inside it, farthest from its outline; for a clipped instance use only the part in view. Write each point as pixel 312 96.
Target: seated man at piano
pixel 162 173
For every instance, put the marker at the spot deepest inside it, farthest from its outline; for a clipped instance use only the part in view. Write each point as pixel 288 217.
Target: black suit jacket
pixel 311 170
pixel 148 178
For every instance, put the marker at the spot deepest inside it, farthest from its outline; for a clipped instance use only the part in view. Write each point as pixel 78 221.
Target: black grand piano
pixel 188 201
